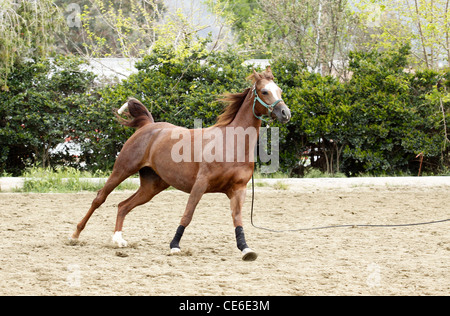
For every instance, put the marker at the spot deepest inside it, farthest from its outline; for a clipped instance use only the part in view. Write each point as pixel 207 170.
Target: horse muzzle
pixel 282 113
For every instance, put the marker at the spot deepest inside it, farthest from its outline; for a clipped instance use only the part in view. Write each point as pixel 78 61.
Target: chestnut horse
pixel 150 151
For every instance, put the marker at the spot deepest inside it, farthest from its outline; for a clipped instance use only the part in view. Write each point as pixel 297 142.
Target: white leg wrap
pixel 118 240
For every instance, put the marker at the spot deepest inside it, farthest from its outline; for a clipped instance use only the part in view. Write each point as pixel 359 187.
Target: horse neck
pixel 244 117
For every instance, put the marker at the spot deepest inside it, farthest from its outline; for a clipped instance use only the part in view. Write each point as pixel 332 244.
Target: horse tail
pixel 137 116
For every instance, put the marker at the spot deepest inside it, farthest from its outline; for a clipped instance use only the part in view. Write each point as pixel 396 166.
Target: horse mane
pixel 234 101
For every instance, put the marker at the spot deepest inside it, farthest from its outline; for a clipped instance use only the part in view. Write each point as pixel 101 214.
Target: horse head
pixel 267 97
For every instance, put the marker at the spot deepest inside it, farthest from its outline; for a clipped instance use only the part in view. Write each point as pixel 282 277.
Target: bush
pixel 40 111
pixel 375 123
pixel 395 116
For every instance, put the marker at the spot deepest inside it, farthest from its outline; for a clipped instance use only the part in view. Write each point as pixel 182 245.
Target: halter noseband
pixel 264 104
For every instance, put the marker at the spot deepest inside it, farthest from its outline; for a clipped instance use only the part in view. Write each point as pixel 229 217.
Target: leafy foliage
pixel 377 122
pixel 40 111
pixel 27 29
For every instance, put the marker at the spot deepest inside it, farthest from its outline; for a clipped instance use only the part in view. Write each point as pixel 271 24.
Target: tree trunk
pixel 421 35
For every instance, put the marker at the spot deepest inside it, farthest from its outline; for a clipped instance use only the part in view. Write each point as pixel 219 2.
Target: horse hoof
pixel 249 255
pixel 175 250
pixel 73 241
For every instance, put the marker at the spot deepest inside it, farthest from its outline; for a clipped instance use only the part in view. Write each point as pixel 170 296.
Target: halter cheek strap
pixel 264 104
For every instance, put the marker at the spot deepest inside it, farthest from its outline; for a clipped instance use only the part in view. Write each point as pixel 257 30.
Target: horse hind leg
pixel 113 181
pixel 151 185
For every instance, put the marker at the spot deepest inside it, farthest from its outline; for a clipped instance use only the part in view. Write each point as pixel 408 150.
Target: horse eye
pixel 265 92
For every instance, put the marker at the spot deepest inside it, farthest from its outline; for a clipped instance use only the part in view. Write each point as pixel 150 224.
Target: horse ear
pixel 268 73
pixel 256 75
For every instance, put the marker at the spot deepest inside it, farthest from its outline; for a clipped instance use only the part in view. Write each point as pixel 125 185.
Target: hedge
pixel 377 122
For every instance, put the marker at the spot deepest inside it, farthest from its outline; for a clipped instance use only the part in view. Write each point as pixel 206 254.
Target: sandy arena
pixel 36 257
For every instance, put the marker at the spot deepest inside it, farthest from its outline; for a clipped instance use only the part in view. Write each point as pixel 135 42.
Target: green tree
pixel 425 25
pixel 27 30
pixel 133 28
pixel 395 115
pixel 320 118
pixel 377 122
pixel 40 111
pixel 317 34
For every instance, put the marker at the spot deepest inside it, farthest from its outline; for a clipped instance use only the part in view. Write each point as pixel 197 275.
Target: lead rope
pixel 331 226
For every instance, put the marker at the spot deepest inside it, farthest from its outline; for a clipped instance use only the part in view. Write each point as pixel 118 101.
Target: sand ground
pixel 36 257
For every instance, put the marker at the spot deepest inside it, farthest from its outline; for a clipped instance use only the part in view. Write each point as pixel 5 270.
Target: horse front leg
pixel 237 198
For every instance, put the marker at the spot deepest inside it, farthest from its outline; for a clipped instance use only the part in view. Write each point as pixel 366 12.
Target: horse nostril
pixel 283 112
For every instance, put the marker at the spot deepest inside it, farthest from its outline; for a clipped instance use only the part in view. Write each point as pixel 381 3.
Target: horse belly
pixel 181 176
